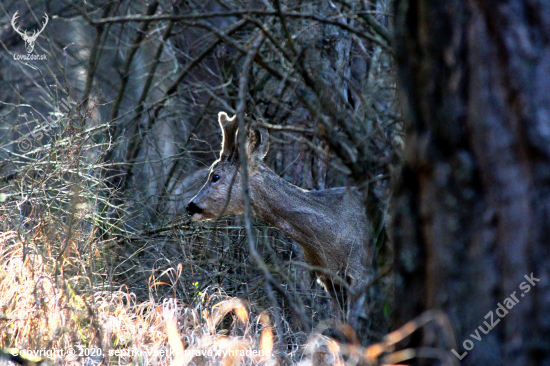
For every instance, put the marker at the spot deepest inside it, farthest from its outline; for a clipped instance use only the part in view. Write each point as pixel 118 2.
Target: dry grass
pixel 41 311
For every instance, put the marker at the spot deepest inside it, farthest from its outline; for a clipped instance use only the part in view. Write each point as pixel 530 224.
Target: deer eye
pixel 215 178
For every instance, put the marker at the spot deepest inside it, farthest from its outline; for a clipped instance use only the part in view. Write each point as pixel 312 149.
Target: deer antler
pixel 35 34
pixel 15 27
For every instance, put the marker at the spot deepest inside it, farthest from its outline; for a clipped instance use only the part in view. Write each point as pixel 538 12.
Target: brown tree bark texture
pixel 472 211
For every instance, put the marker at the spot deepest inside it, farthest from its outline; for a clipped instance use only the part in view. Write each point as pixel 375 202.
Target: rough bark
pixel 473 206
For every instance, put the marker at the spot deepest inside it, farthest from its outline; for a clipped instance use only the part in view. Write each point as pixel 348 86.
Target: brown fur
pixel 330 225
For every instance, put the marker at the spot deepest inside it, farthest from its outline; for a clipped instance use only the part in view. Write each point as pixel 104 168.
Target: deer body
pixel 330 225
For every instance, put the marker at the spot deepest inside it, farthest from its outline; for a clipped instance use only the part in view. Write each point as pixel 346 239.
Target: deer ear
pixel 257 142
pixel 229 128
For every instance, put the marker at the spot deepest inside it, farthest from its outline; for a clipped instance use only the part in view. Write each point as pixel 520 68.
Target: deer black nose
pixel 192 208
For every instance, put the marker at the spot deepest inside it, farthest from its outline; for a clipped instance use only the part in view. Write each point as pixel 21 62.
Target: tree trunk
pixel 472 214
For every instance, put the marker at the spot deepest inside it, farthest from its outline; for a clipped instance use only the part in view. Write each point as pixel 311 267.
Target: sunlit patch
pixel 266 339
pixel 169 313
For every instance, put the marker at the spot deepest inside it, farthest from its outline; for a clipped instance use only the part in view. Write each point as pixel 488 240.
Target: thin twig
pixel 243 87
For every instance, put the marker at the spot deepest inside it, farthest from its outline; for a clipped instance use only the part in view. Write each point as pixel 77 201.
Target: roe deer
pixel 330 225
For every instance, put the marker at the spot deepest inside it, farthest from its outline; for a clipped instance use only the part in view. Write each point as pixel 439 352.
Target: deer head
pixel 221 195
pixel 30 40
pixel 330 225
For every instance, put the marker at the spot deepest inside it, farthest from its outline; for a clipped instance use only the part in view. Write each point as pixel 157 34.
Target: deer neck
pixel 280 203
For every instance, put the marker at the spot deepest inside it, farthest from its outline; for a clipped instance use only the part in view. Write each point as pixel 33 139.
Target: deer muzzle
pixel 192 209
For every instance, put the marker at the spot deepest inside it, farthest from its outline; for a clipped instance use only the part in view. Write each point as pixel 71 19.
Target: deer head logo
pixel 30 39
